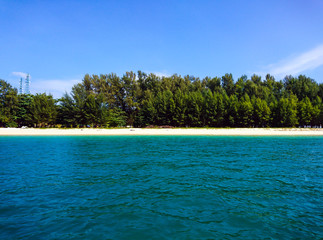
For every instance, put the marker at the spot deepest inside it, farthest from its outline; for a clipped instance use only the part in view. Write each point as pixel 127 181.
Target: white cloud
pixel 19 74
pixel 161 74
pixel 56 87
pixel 306 61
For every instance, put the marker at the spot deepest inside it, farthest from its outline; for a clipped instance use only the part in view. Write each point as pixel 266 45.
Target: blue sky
pixel 57 42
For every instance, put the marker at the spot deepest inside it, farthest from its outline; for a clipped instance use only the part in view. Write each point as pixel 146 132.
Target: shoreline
pixel 162 132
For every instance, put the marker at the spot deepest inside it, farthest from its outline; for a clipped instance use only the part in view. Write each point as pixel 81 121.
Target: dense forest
pixel 142 100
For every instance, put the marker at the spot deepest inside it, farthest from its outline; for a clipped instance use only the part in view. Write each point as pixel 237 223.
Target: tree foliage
pixel 142 99
pixel 8 105
pixel 43 110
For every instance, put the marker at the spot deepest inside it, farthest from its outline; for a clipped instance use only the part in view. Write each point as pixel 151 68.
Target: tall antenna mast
pixel 20 86
pixel 27 85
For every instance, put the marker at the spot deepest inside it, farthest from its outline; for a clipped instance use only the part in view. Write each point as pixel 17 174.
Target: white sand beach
pixel 169 131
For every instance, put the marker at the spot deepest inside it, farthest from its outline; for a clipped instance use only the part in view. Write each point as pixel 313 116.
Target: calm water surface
pixel 136 187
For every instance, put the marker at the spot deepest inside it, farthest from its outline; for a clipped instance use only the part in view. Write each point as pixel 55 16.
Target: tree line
pixel 142 100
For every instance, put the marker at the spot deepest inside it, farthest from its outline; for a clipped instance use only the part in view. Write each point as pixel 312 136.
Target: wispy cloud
pixel 294 65
pixel 56 87
pixel 162 74
pixel 19 74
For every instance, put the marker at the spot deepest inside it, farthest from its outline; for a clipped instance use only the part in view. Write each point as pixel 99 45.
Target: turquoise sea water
pixel 161 187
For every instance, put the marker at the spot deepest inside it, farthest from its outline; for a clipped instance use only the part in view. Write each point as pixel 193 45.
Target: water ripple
pixel 161 187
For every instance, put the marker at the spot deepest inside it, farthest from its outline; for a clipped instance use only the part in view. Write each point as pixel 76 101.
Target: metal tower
pixel 27 85
pixel 20 86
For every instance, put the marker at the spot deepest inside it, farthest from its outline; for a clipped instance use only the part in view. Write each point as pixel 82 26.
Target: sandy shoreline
pixel 175 131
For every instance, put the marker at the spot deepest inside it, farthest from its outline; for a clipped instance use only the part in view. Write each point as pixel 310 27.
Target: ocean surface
pixel 161 187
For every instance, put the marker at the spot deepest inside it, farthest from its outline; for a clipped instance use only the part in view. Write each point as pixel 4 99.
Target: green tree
pixel 317 118
pixel 302 87
pixel 285 113
pixel 240 86
pixel 221 100
pixel 214 84
pixel 320 92
pixel 194 109
pixel 209 109
pixel 130 89
pixel 95 111
pixel 233 112
pixel 180 101
pixel 261 113
pixel 148 113
pixel 79 96
pixel 43 110
pixel 116 118
pixel 67 111
pixel 245 112
pixel 8 105
pixel 305 112
pixel 228 84
pixel 24 116
pixel 146 99
pixel 161 108
pixel 165 106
